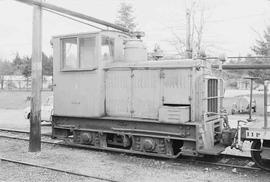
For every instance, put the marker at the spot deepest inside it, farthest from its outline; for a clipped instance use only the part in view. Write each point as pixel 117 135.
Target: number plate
pixel 254 134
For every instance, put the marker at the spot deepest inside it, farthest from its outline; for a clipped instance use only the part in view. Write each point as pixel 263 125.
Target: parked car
pixel 46 111
pixel 242 105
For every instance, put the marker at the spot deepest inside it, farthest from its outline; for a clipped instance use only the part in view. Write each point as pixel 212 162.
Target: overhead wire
pixel 235 18
pixel 222 20
pixel 74 19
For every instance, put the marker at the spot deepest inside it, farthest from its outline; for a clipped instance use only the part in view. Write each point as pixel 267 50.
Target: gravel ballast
pixel 114 166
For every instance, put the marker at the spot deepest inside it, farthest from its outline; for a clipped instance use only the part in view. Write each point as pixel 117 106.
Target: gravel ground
pixel 119 167
pixel 10 172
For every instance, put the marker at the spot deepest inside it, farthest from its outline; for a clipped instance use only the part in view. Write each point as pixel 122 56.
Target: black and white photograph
pixel 134 90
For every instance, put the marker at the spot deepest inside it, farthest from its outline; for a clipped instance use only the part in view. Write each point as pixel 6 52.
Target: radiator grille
pixel 212 94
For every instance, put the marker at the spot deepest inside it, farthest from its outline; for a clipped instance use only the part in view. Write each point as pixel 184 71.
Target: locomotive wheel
pixel 256 155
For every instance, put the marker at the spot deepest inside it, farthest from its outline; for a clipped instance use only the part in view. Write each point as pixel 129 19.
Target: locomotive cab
pixel 78 71
pixel 107 95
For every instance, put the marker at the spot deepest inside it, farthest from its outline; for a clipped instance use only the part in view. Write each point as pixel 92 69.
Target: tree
pixel 5 69
pixel 26 67
pixel 125 17
pixel 47 65
pixel 23 65
pixel 197 24
pixel 17 64
pixel 261 48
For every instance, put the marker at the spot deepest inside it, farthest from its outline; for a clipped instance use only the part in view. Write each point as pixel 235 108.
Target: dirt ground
pixel 12 105
pixel 14 119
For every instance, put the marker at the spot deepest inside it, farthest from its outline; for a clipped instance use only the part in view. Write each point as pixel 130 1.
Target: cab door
pixel 77 79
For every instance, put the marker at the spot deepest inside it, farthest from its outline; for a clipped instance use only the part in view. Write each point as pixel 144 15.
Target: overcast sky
pixel 232 26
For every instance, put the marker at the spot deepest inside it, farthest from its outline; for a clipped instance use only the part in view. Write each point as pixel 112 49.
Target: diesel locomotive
pixel 108 96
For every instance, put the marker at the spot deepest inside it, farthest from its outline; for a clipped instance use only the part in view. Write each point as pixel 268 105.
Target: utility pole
pixel 250 100
pixel 188 35
pixel 35 136
pixel 265 84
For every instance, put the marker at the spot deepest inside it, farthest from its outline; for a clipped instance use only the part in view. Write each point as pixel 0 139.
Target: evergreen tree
pixel 23 65
pixel 26 67
pixel 261 48
pixel 125 17
pixel 17 64
pixel 47 65
pixel 5 69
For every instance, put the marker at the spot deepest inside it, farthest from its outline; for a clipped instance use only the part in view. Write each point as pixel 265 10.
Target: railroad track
pixel 55 169
pixel 24 135
pixel 21 131
pixel 223 160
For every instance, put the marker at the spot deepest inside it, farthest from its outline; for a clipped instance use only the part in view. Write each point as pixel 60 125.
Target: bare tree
pixel 196 35
pixel 178 43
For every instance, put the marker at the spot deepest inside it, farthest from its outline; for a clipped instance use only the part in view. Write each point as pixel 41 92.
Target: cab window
pixel 69 53
pixel 87 52
pixel 107 48
pixel 78 53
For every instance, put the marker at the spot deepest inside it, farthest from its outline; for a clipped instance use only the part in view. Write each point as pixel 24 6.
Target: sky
pixel 231 26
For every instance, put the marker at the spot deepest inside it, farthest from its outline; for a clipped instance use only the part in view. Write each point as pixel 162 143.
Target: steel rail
pixel 55 169
pixel 74 14
pixel 27 140
pixel 21 131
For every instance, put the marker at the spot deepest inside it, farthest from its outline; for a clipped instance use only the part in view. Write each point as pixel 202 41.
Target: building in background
pixel 19 82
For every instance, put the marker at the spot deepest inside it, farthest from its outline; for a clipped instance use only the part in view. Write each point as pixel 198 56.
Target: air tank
pixel 135 51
